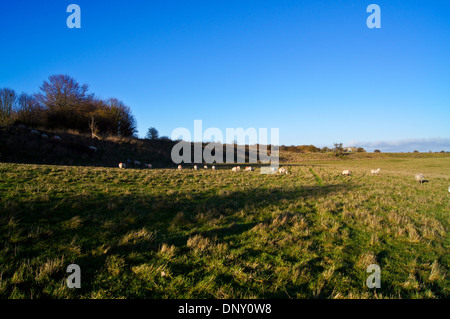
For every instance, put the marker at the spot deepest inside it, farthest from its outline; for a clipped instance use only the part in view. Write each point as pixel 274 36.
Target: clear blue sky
pixel 311 68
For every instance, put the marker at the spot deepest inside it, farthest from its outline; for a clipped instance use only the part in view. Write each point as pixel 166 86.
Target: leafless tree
pixel 8 99
pixel 28 110
pixel 61 92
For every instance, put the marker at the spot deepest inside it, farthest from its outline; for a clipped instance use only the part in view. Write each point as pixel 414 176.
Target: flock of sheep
pixel 54 137
pixel 348 172
pixel 419 176
pixel 281 170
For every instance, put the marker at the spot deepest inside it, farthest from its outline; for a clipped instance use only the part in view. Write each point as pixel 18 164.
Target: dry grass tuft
pixel 139 236
pixel 199 244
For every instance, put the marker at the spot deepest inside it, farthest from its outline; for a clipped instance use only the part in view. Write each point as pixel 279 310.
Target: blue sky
pixel 313 69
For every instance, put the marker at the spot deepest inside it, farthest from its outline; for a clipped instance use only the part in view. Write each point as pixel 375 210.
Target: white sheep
pixel 213 168
pixel 122 165
pixel 205 167
pixel 195 167
pixel 282 170
pixel 249 169
pixel 179 167
pixel 375 171
pixel 236 169
pixel 57 138
pixel 419 177
pixel 93 148
pixel 137 163
pixel 148 165
pixel 34 132
pixel 44 136
pixel 346 172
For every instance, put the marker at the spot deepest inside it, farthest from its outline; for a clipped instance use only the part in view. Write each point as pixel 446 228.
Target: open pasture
pixel 166 233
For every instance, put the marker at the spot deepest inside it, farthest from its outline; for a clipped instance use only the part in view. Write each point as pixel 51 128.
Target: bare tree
pixel 61 92
pixel 64 101
pixel 28 110
pixel 8 99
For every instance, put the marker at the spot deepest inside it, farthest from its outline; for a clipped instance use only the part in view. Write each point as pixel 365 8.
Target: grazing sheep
pixel 44 136
pixel 375 171
pixel 249 169
pixel 282 170
pixel 93 148
pixel 420 178
pixel 236 169
pixel 346 172
pixel 122 165
pixel 205 167
pixel 34 132
pixel 449 189
pixel 179 167
pixel 195 167
pixel 57 138
pixel 273 169
pixel 213 167
pixel 148 165
pixel 137 163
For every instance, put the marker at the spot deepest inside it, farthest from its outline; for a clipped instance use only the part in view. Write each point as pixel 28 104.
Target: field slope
pixel 217 234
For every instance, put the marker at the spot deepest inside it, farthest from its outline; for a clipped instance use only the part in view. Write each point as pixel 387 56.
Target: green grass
pixel 218 234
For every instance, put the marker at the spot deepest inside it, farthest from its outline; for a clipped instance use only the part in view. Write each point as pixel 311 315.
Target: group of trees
pixel 62 103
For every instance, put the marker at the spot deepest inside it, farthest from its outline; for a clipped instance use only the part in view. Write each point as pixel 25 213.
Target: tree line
pixel 337 149
pixel 63 103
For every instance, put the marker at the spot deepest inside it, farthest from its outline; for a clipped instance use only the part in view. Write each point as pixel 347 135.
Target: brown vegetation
pixel 63 104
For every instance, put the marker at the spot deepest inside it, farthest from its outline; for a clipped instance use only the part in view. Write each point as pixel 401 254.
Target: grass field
pixel 217 234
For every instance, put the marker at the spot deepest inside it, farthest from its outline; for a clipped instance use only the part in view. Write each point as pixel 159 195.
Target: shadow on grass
pixel 102 225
